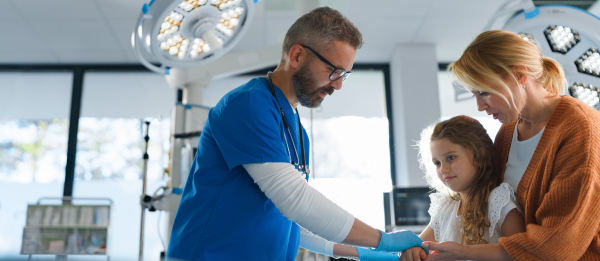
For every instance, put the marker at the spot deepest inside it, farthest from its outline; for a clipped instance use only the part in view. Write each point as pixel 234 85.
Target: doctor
pixel 247 196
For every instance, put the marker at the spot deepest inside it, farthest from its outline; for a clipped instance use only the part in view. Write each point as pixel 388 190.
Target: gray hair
pixel 319 29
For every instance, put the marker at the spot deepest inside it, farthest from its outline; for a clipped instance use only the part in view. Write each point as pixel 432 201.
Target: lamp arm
pixel 509 6
pixel 136 41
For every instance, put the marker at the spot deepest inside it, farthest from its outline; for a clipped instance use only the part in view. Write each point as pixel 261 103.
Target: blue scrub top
pixel 223 215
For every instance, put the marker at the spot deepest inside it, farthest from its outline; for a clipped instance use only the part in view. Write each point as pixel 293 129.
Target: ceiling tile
pixel 130 55
pixel 8 10
pixel 464 8
pixel 18 35
pixel 30 56
pixel 387 29
pixel 375 52
pixel 122 29
pixel 388 8
pixel 58 9
pixel 121 8
pixel 450 29
pixel 76 34
pixel 91 56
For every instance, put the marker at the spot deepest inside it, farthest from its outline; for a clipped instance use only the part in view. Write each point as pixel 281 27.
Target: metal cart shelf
pixel 67 228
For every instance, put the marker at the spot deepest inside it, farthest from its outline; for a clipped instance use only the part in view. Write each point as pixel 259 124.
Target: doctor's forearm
pixel 363 235
pixel 340 250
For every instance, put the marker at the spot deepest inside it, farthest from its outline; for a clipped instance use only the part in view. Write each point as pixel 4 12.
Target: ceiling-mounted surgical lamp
pixel 567 34
pixel 189 33
pixel 572 37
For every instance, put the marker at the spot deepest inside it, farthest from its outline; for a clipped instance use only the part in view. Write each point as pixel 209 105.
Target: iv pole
pixel 145 197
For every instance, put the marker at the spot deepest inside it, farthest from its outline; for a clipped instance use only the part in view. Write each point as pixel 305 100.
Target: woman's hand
pixel 444 251
pixel 413 254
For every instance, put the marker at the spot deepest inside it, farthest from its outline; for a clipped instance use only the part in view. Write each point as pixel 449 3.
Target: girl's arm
pixel 452 251
pixel 513 223
pixel 428 234
pixel 417 253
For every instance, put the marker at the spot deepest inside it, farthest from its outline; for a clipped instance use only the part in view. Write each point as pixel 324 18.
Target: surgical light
pixel 586 93
pixel 572 38
pixel 189 33
pixel 589 62
pixel 561 38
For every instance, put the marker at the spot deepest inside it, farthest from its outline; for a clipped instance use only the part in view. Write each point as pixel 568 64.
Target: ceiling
pixel 99 31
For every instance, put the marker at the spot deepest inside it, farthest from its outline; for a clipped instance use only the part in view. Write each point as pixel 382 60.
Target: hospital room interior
pixel 103 105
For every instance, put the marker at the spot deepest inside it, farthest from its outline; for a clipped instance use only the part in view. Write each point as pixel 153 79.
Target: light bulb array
pixel 589 62
pixel 229 20
pixel 561 38
pixel 176 46
pixel 190 5
pixel 199 46
pixel 169 26
pixel 586 93
pixel 224 4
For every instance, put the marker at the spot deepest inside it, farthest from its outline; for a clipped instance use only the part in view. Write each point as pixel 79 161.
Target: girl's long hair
pixel 470 134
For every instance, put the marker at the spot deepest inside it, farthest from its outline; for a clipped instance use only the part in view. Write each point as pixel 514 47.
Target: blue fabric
pixel 223 215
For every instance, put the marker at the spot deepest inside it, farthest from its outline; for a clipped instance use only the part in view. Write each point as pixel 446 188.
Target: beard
pixel 306 90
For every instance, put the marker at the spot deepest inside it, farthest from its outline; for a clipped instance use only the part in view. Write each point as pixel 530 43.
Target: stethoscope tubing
pixel 301 167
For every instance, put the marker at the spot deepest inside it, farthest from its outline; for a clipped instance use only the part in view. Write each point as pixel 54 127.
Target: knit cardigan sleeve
pixel 562 199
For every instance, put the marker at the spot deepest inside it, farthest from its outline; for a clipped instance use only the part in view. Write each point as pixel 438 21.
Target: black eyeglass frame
pixel 343 73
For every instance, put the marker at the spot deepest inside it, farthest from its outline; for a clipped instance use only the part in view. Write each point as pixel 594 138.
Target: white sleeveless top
pixel 446 224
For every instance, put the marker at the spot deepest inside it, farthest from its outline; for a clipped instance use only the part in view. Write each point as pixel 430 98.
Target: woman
pixel 549 147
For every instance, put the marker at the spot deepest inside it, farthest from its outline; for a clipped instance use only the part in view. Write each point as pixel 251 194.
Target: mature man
pixel 243 199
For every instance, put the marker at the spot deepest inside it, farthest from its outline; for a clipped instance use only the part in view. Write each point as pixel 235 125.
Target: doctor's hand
pixel 365 254
pixel 445 251
pixel 413 254
pixel 399 241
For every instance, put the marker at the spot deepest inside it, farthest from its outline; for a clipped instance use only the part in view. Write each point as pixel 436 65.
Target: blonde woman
pixel 549 148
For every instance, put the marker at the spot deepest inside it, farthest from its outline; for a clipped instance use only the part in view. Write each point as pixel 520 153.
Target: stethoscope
pixel 301 167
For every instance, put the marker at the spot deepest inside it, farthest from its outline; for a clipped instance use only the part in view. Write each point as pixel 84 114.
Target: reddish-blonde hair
pixel 470 134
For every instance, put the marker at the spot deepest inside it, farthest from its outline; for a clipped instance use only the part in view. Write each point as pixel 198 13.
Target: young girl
pixel 472 205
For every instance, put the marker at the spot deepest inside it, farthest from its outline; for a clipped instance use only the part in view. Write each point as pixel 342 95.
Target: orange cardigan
pixel 560 190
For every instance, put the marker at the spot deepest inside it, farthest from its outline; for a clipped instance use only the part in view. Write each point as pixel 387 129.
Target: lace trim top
pixel 446 223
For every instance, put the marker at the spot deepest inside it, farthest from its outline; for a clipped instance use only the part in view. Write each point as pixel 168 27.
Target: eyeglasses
pixel 337 72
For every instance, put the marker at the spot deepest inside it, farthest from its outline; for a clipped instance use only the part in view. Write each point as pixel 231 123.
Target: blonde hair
pixel 471 135
pixel 497 54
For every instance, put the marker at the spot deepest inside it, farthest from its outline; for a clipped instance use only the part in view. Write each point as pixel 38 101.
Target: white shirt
pixel 446 223
pixel 519 156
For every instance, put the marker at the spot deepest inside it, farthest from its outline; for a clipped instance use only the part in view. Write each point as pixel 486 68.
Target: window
pixel 110 147
pixel 34 122
pixel 350 146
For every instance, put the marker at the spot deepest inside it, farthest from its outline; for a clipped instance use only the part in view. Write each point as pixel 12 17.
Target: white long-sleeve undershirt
pixel 299 202
pixel 312 242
